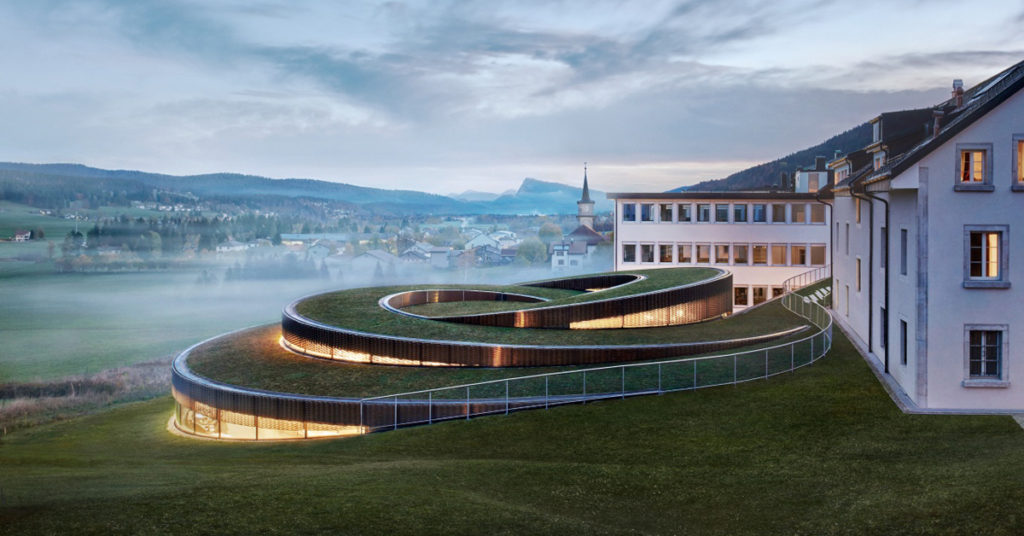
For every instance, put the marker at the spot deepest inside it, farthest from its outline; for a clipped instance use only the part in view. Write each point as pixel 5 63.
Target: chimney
pixel 937 116
pixel 819 163
pixel 958 92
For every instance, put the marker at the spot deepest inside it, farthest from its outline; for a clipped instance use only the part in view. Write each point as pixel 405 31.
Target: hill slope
pixel 31 183
pixel 766 175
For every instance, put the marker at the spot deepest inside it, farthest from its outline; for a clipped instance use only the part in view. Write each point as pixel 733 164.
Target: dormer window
pixel 879 160
pixel 876 131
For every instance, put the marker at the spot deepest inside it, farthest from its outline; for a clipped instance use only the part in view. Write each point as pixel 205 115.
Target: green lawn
pixel 821 451
pixel 358 309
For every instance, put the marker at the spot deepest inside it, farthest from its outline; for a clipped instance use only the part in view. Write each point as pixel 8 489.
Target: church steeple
pixel 586 188
pixel 585 207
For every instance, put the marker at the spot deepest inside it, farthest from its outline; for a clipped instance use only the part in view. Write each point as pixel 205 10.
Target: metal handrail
pixel 423 407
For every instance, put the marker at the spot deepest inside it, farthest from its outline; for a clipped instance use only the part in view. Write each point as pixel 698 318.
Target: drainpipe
pixel 871 262
pixel 888 245
pixel 831 244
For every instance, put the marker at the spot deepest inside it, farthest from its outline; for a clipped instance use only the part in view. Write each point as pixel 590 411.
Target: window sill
pixel 986 284
pixel 977 383
pixel 973 188
pixel 1017 187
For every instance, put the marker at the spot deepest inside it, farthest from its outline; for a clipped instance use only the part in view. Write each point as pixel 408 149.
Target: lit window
pixel 628 252
pixel 813 182
pixel 760 254
pixel 703 253
pixel 760 213
pixel 778 291
pixel 817 255
pixel 799 213
pixel 817 213
pixel 778 213
pixel 986 256
pixel 739 213
pixel 685 253
pixel 1020 162
pixel 647 212
pixel 760 295
pixel 665 253
pixel 985 353
pixel 856 208
pixel 974 167
pixel 798 255
pixel 779 254
pixel 646 252
pixel 722 253
pixel 685 212
pixel 629 212
pixel 666 212
pixel 722 213
pixel 740 296
pixel 739 254
pixel 703 212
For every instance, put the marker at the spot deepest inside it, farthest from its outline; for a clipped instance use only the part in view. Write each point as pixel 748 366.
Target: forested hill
pixel 766 175
pixel 55 186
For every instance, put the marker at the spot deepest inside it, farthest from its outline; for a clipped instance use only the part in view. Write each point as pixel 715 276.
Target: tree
pixel 549 232
pixel 276 240
pixel 532 251
pixel 38 233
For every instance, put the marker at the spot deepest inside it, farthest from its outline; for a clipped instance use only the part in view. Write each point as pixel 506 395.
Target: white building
pixel 927 221
pixel 763 238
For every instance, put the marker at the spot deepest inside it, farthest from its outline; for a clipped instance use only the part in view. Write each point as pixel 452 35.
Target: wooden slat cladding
pixel 675 306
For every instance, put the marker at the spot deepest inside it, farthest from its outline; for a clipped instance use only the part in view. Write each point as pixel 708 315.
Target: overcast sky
pixel 451 96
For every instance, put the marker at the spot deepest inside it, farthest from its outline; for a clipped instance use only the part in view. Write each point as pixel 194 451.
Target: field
pixel 822 451
pixel 62 324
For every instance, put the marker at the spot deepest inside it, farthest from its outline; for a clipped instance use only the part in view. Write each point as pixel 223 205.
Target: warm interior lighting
pixel 194 417
pixel 992 247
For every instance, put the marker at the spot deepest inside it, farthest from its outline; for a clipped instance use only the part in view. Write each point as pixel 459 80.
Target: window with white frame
pixel 722 253
pixel 799 213
pixel 664 253
pixel 779 254
pixel 628 252
pixel 629 212
pixel 986 256
pixel 817 213
pixel 798 255
pixel 703 212
pixel 685 252
pixel 760 211
pixel 740 296
pixel 759 254
pixel 665 214
pixel 739 254
pixel 974 167
pixel 817 255
pixel 722 213
pixel 778 213
pixel 647 212
pixel 685 211
pixel 703 253
pixel 739 213
pixel 646 252
pixel 985 351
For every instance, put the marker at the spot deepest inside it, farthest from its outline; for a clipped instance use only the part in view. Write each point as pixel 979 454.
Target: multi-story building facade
pixel 763 238
pixel 927 221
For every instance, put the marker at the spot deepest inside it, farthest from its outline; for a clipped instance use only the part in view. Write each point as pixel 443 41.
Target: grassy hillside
pixel 823 451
